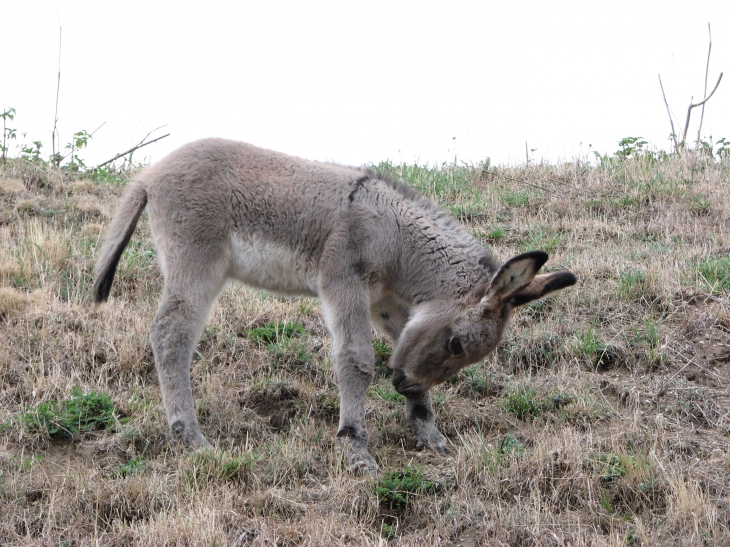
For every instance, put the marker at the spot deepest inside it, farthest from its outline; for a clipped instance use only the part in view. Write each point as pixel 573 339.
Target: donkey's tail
pixel 117 238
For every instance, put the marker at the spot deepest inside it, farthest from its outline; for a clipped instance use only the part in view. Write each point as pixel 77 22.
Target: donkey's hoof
pixel 434 440
pixel 188 438
pixel 362 465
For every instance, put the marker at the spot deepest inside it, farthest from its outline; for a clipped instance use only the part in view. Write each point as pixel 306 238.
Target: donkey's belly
pixel 271 266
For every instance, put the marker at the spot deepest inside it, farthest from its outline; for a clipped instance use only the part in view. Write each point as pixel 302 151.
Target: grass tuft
pixel 81 413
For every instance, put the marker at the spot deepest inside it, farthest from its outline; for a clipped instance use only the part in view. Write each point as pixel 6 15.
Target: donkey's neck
pixel 438 259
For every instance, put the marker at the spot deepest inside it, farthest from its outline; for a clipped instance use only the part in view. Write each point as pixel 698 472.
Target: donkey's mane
pixel 434 211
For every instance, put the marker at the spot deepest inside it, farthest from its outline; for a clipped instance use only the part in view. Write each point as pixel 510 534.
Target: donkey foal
pixel 372 249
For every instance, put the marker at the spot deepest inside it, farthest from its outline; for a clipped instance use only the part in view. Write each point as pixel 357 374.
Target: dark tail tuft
pixel 117 238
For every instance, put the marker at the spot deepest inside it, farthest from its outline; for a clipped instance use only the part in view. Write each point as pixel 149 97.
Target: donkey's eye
pixel 455 346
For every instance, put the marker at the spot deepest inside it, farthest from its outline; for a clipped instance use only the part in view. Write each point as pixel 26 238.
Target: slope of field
pixel 601 420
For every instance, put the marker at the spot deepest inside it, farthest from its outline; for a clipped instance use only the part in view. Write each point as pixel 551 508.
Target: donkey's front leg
pixel 422 421
pixel 348 321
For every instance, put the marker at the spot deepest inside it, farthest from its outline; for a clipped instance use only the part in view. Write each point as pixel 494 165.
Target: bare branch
pixel 707 69
pixel 148 134
pixel 691 106
pixel 137 147
pixel 58 88
pixel 674 133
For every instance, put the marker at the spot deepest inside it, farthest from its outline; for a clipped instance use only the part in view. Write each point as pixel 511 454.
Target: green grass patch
pixel 631 284
pixel 493 234
pixel 209 465
pixel 713 274
pixel 699 203
pixel 515 198
pixel 448 183
pixel 130 468
pixel 591 344
pixel 69 417
pixel 542 239
pixel 475 378
pixel 385 391
pixel 396 490
pixel 290 352
pixel 274 332
pixel 382 355
pixel 527 403
pixel 611 467
pixel 493 457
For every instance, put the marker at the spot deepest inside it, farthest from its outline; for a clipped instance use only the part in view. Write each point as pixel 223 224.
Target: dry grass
pixel 601 420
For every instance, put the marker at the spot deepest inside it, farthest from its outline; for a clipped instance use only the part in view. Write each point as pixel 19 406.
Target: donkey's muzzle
pixel 405 387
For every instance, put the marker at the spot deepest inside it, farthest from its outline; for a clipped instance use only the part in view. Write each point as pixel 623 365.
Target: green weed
pixel 388 531
pixel 137 257
pixel 447 183
pixel 506 448
pixel 523 403
pixel 290 352
pixel 516 198
pixel 494 234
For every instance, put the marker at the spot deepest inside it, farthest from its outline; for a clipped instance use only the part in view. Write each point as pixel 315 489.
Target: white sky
pixel 358 82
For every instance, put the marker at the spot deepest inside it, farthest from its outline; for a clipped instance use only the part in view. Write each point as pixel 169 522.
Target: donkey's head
pixel 443 337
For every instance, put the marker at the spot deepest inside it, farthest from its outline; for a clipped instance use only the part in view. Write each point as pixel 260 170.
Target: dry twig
pixel 671 122
pixel 137 147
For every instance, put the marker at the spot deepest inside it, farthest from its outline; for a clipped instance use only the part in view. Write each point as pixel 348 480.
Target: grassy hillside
pixel 601 420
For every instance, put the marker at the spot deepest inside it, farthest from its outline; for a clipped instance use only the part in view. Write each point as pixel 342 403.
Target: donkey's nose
pixel 405 387
pixel 398 377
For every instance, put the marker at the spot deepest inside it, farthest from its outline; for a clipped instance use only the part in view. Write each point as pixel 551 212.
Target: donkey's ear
pixel 543 285
pixel 515 275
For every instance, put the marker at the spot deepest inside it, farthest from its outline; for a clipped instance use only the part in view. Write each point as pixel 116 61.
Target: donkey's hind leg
pixel 183 310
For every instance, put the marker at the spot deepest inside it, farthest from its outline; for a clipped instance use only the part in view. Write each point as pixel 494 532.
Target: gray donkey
pixel 372 249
